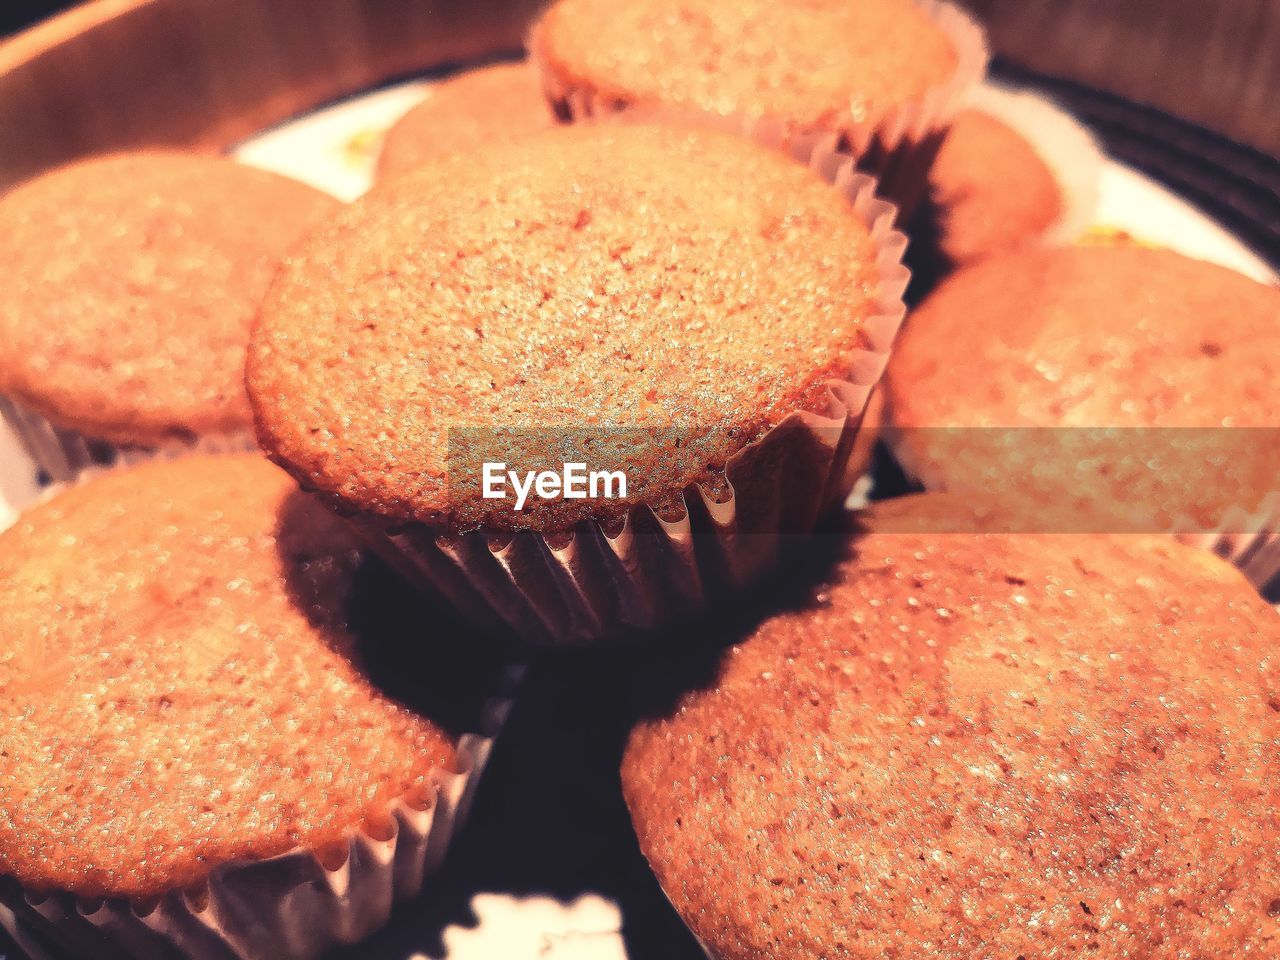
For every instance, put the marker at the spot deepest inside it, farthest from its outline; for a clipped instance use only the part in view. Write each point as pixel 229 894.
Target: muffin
pixel 880 78
pixel 700 315
pixel 1103 389
pixel 979 745
pixel 1013 170
pixel 197 760
pixel 132 280
pixel 467 111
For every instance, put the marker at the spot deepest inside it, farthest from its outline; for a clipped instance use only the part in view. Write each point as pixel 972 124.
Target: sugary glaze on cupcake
pixel 1081 338
pixel 819 64
pixel 179 683
pixel 654 313
pixel 977 745
pixel 992 190
pixel 472 110
pixel 131 281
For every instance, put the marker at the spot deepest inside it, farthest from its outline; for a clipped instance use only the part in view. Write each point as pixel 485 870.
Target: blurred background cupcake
pixel 1096 388
pixel 131 283
pixel 880 79
pixel 1013 170
pixel 469 110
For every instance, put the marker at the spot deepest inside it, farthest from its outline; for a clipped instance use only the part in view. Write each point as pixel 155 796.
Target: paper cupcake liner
pixel 289 907
pixel 1063 144
pixel 897 147
pixel 597 583
pixel 62 454
pixel 1250 541
pixel 862 456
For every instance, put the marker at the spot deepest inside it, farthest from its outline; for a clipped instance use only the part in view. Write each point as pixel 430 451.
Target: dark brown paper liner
pixel 1250 541
pixel 897 147
pixel 63 454
pixel 601 584
pixel 288 907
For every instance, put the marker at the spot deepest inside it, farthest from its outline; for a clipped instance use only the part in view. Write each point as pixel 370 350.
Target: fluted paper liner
pixel 598 583
pixel 1250 541
pixel 63 454
pixel 896 147
pixel 288 907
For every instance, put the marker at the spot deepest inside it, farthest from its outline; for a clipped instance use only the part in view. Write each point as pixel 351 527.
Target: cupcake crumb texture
pixel 980 745
pixel 182 683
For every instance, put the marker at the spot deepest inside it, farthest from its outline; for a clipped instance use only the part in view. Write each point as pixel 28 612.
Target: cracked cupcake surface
pixel 979 745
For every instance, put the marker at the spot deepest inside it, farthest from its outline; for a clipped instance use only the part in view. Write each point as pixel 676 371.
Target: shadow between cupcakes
pixel 404 644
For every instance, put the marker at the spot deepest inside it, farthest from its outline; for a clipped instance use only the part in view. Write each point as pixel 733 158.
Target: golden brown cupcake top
pixel 1169 350
pixel 1125 336
pixel 818 64
pixel 178 682
pixel 992 189
pixel 131 280
pixel 469 111
pixel 652 299
pixel 980 745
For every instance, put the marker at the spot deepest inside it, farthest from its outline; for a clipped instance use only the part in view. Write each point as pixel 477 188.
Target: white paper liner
pixel 288 907
pixel 596 583
pixel 897 147
pixel 63 454
pixel 1065 146
pixel 1250 541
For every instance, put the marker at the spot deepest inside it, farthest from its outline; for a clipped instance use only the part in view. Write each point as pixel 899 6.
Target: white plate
pixel 334 149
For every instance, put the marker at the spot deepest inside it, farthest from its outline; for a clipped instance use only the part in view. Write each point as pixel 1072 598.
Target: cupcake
pixel 131 283
pixel 878 78
pixel 197 761
pixel 470 110
pixel 979 745
pixel 1098 388
pixel 1013 170
pixel 696 324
